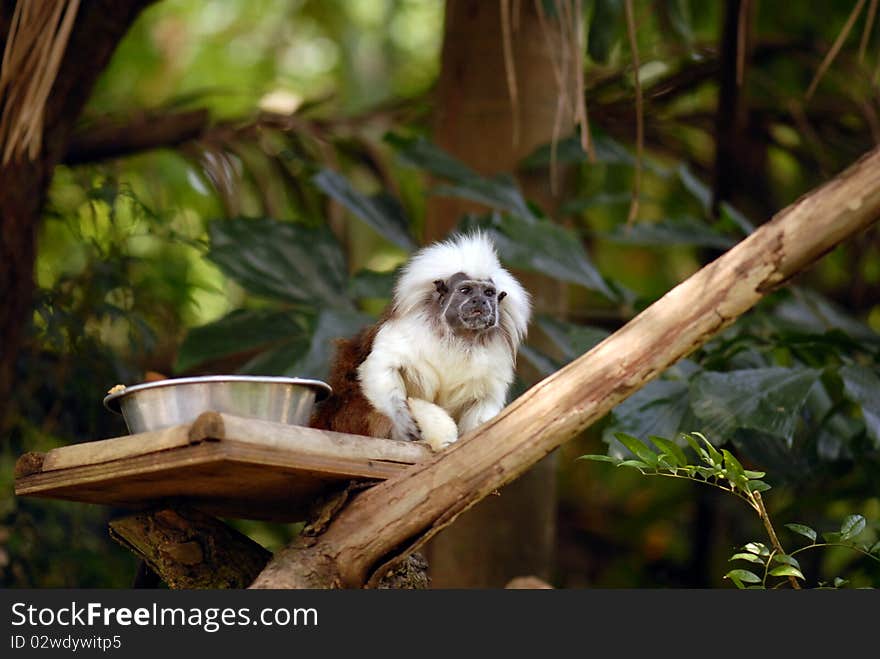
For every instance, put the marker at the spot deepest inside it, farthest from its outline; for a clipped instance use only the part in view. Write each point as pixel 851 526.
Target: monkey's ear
pixel 502 295
pixel 441 286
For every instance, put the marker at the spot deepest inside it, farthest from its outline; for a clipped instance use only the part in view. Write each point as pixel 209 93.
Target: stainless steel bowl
pixel 164 403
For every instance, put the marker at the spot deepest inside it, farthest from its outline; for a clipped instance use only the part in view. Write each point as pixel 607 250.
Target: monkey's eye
pixel 465 290
pixel 490 292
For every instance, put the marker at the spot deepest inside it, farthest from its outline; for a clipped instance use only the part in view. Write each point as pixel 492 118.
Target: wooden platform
pixel 224 465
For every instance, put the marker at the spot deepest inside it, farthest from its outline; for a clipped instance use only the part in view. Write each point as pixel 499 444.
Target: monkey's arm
pixel 383 385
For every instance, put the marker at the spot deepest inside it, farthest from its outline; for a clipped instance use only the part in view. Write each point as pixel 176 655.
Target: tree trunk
pixel 740 164
pixel 98 29
pixel 189 549
pixel 477 121
pixel 399 515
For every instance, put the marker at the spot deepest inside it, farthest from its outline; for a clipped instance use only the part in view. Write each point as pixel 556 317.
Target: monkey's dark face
pixel 468 305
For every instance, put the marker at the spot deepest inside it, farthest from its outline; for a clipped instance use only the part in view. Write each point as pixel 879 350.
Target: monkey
pixel 440 360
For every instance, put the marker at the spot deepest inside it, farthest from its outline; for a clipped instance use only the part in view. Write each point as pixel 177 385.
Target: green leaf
pixel 655 409
pixel 634 464
pixel 764 399
pixel 424 154
pixel 239 332
pixel 754 474
pixel 732 464
pixel 852 526
pixel 805 531
pixel 735 473
pixel 758 548
pixel 500 192
pixel 715 457
pixel 811 311
pixel 747 557
pixel 599 458
pixel 786 571
pixel 758 486
pixel 736 581
pixel 607 151
pixel 571 340
pixel 875 548
pixel 568 151
pixel 601 200
pixel 771 452
pixel 731 214
pixel 382 211
pixel 744 576
pixel 371 284
pixel 606 25
pixel 279 360
pixel 862 386
pixel 786 559
pixel 282 260
pixel 838 582
pixel 546 247
pixel 678 13
pixel 699 190
pixel 684 231
pixel 637 448
pixel 706 472
pixel 697 446
pixel 331 324
pixel 544 364
pixel 671 449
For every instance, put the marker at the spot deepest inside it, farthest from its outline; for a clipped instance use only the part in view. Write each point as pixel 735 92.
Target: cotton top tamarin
pixel 441 360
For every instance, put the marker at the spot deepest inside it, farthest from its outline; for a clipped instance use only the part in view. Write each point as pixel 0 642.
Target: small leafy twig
pixel 768 526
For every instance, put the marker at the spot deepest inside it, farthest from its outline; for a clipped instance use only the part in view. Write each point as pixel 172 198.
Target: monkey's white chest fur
pixel 467 381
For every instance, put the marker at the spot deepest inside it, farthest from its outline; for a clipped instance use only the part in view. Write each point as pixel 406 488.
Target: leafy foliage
pixel 722 470
pixel 667 458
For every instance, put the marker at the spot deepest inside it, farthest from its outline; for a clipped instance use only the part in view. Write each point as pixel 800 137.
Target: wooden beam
pixel 221 464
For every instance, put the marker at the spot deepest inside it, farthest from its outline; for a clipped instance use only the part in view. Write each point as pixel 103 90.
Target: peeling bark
pixel 189 549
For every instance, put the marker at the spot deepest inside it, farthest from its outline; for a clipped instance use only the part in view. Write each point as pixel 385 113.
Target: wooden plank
pixel 116 448
pixel 283 437
pixel 326 444
pixel 258 470
pixel 212 477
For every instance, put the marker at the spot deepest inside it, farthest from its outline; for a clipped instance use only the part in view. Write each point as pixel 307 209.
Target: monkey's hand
pixel 403 424
pixel 438 428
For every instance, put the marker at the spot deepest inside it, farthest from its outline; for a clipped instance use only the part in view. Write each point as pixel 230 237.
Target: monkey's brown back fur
pixel 347 409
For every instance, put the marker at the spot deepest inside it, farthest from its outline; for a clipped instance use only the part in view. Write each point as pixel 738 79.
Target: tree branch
pixel 112 139
pixel 189 549
pixel 397 516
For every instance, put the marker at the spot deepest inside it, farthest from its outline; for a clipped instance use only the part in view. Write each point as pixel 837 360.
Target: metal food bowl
pixel 164 403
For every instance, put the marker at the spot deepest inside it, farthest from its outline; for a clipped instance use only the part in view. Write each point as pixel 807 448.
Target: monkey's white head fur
pixel 471 253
